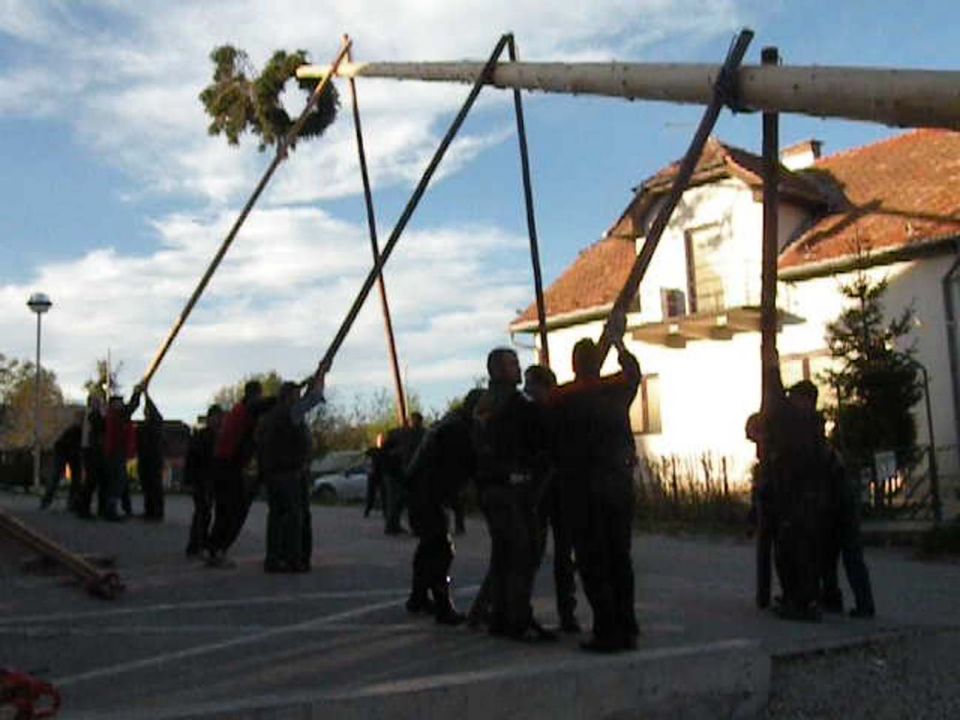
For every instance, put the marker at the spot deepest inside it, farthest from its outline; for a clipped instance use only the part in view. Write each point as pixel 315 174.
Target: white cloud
pixel 126 77
pixel 130 73
pixel 275 303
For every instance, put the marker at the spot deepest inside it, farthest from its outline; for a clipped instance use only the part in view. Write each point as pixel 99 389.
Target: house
pixel 695 324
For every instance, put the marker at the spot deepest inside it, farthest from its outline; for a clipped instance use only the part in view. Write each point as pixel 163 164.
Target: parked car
pixel 340 476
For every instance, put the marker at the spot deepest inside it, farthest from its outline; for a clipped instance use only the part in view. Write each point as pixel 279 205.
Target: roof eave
pixel 562 320
pixel 832 266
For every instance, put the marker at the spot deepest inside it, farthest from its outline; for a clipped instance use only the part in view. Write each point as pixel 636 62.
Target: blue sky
pixel 113 196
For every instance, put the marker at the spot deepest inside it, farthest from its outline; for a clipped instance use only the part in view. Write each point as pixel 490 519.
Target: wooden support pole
pixel 892 96
pixel 544 358
pixel 375 249
pixel 279 157
pixel 722 93
pixel 103 584
pixel 479 81
pixel 769 252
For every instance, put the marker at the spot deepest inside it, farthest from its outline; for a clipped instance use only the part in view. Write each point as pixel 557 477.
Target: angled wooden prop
pixel 279 157
pixel 478 82
pixel 375 249
pixel 725 92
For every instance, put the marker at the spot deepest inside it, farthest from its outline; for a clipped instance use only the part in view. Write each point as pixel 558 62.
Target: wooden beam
pixel 890 96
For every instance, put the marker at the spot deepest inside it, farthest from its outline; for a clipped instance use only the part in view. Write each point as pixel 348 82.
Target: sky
pixel 113 197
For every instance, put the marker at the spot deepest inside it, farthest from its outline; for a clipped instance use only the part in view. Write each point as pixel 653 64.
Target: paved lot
pixel 183 633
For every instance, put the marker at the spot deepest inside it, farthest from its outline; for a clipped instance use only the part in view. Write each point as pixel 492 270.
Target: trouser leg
pixel 306 524
pixel 764 556
pixel 830 595
pixel 856 570
pixel 228 507
pixel 76 483
pixel 564 582
pixel 53 482
pixel 593 560
pixel 619 538
pixel 200 524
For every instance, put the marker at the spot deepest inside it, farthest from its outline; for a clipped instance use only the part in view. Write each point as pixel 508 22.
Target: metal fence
pixel 927 489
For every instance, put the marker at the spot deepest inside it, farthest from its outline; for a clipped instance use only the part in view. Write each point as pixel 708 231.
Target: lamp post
pixel 38 303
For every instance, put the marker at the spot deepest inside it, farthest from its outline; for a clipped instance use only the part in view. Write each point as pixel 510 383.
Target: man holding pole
pixel 596 455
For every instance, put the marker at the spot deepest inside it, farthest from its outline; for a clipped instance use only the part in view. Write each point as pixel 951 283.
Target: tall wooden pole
pixel 375 249
pixel 768 261
pixel 892 96
pixel 279 157
pixel 531 219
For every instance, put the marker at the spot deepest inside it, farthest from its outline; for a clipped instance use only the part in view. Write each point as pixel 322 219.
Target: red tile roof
pixel 593 280
pixel 895 193
pixel 891 194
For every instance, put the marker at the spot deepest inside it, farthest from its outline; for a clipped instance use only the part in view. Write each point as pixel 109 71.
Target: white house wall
pixel 710 387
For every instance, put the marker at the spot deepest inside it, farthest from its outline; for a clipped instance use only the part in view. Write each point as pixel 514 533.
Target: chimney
pixel 801 155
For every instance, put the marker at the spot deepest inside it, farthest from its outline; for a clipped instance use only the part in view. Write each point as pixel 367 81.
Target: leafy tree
pixel 239 99
pixel 876 383
pixel 17 402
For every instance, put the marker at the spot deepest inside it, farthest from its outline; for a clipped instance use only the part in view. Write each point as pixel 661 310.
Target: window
pixel 645 411
pixel 673 303
pixel 706 249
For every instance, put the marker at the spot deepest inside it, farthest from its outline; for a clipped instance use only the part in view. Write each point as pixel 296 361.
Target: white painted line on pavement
pixel 164 658
pixel 199 650
pixel 204 604
pixel 53 632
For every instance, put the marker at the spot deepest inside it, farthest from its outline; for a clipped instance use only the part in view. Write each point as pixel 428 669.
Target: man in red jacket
pixel 115 439
pixel 232 451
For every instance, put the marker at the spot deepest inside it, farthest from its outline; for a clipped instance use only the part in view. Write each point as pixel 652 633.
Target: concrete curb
pixel 728 679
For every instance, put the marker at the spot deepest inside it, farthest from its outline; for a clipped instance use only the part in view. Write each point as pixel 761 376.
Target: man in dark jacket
pixel 94 464
pixel 198 476
pixel 150 460
pixel 795 453
pixel 398 449
pixel 232 452
pixel 839 534
pixel 66 454
pixel 437 475
pixel 596 456
pixel 283 450
pixel 511 448
pixel 538 384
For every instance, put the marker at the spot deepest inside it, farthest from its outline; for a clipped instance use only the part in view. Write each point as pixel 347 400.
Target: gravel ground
pixel 916 676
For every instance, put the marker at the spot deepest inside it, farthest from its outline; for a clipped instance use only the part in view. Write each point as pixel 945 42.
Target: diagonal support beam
pixel 724 92
pixel 531 219
pixel 375 249
pixel 480 80
pixel 278 158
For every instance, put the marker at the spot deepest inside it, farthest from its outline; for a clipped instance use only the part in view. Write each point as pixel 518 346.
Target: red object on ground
pixel 31 698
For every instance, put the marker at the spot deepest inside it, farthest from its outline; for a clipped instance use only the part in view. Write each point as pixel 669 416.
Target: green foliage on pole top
pixel 241 100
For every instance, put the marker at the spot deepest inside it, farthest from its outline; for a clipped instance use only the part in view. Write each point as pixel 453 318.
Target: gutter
pixel 561 320
pixel 823 268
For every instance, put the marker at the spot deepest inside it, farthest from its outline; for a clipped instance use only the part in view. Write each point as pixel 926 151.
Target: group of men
pixel 552 456
pixel 96 448
pixel 805 509
pixel 273 431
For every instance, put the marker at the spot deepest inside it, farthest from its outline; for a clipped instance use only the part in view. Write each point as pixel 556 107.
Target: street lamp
pixel 39 303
